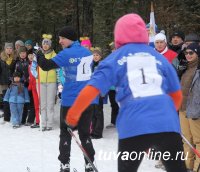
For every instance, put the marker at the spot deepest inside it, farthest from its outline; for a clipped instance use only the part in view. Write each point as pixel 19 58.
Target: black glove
pixel 59 95
pixel 39 54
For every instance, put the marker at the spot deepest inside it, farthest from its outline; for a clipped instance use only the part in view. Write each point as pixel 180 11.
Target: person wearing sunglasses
pixel 190 112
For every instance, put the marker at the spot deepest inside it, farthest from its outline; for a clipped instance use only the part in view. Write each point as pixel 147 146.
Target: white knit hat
pixel 160 36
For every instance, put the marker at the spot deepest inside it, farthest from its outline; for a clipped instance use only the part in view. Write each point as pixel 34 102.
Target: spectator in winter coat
pixel 176 44
pixel 22 67
pixel 98 116
pixel 76 61
pixel 190 110
pixel 7 67
pixel 144 81
pixel 177 40
pixel 16 95
pixel 7 64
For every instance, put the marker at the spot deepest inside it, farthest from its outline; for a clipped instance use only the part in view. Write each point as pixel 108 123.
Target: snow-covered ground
pixel 30 150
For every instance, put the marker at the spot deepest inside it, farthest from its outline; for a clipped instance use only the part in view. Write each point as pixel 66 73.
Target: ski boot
pixel 64 167
pixel 88 168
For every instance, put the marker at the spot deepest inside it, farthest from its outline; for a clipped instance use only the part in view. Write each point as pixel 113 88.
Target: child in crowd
pixel 21 66
pixel 85 42
pixel 98 116
pixel 17 96
pixel 32 88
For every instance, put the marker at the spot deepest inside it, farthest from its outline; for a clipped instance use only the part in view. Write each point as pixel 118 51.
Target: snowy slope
pixel 30 150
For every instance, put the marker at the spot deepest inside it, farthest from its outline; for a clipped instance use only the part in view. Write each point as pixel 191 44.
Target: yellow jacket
pixel 48 76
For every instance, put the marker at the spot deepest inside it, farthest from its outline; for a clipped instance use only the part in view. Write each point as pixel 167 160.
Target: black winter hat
pixel 69 33
pixel 194 47
pixel 17 74
pixel 192 37
pixel 179 34
pixel 30 51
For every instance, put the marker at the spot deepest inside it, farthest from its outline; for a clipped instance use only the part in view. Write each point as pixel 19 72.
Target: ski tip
pixel 28 169
pixel 75 170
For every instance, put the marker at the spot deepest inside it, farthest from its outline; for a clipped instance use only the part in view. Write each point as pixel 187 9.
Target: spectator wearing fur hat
pixel 7 67
pixel 18 44
pixel 48 84
pixel 191 38
pixel 190 110
pixel 160 43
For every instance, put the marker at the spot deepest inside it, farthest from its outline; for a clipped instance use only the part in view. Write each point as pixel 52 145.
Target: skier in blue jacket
pixel 76 61
pixel 149 95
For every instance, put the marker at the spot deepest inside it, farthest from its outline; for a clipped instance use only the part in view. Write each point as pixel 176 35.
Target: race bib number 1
pixel 144 79
pixel 84 71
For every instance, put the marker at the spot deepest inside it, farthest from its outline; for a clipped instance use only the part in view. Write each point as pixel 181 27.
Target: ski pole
pixel 39 98
pixel 82 149
pixel 190 145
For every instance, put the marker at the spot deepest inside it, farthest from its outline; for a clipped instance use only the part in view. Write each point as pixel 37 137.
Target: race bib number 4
pixel 144 79
pixel 84 71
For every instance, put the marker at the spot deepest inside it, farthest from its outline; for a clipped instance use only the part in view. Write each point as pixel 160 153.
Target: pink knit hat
pixel 86 42
pixel 130 28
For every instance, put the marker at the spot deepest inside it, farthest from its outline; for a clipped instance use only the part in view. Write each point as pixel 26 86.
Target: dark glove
pixel 59 95
pixel 38 52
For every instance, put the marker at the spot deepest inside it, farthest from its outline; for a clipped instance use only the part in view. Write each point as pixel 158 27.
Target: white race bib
pixel 144 79
pixel 84 71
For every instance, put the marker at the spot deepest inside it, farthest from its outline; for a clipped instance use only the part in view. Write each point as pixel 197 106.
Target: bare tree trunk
pixel 5 21
pixel 77 19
